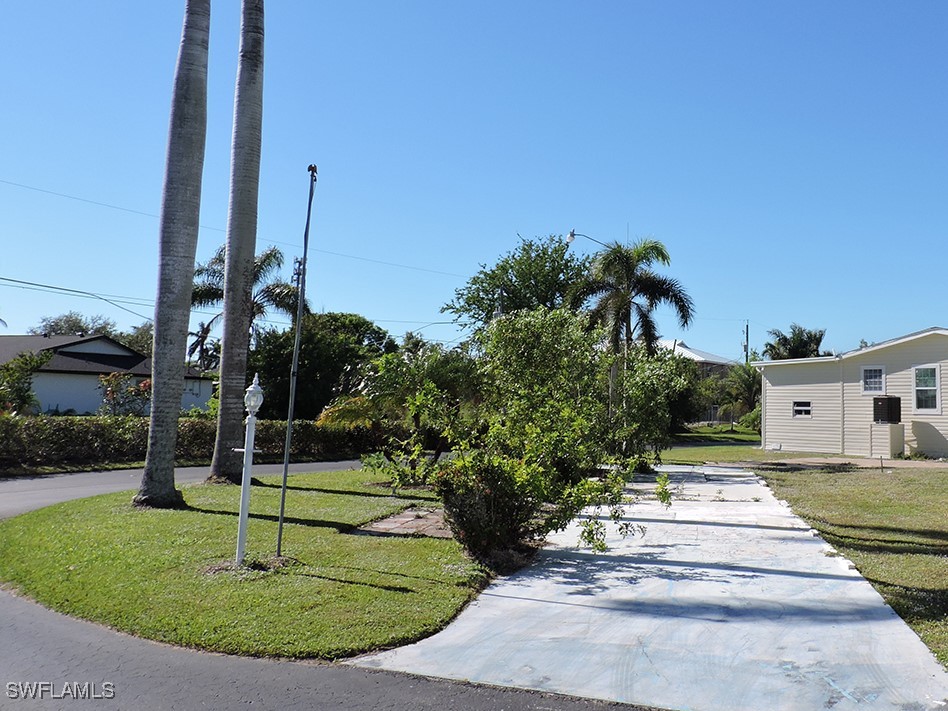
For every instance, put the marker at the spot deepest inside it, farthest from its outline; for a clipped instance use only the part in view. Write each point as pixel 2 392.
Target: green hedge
pixel 56 441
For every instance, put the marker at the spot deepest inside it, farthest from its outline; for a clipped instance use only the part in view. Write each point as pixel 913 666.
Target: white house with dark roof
pixel 69 381
pixel 879 401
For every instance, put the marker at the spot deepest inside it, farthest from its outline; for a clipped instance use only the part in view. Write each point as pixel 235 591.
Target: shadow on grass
pixel 401 575
pixel 914 603
pixel 314 522
pixel 296 566
pixel 343 581
pixel 341 492
pixel 937 534
pixel 882 545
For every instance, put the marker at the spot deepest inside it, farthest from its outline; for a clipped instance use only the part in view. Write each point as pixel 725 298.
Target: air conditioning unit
pixel 887 409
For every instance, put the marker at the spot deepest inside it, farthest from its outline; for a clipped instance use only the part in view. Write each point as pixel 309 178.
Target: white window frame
pixel 926 411
pixel 797 413
pixel 862 379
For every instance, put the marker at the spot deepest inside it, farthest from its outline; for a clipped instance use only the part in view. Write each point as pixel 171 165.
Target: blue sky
pixel 792 156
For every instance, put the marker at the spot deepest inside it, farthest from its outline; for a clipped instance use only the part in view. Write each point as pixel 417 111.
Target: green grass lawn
pixel 705 453
pixel 169 575
pixel 893 526
pixel 718 433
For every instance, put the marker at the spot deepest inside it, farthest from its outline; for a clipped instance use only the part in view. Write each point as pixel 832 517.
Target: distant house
pixel 708 363
pixel 69 381
pixel 881 400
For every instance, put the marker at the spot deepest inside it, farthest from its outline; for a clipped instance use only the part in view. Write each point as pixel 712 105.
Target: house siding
pixel 818 433
pixel 857 425
pixel 59 392
pixel 846 425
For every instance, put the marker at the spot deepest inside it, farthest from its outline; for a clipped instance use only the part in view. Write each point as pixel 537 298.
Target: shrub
pixel 195 438
pixel 492 503
pixel 79 441
pixel 751 420
pixel 123 394
pixel 52 441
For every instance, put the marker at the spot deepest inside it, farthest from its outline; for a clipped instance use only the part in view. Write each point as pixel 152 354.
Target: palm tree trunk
pixel 178 232
pixel 241 243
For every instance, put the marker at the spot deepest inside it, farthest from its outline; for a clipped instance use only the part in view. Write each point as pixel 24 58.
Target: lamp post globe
pixel 253 397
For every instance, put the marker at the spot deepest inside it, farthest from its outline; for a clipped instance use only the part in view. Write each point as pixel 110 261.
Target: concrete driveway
pixel 41 651
pixel 729 602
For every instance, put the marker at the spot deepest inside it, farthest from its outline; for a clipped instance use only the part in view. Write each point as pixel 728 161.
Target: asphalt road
pixel 49 657
pixel 21 494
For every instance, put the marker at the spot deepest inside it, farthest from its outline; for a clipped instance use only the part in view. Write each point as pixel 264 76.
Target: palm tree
pixel 799 343
pixel 626 291
pixel 241 242
pixel 204 347
pixel 268 292
pixel 740 390
pixel 178 232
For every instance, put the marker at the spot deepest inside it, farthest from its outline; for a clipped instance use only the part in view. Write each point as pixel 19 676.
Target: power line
pixel 76 292
pixel 118 299
pixel 219 229
pixel 78 199
pixel 389 264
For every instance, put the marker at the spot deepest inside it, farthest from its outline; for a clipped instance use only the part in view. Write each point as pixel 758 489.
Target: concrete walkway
pixel 728 603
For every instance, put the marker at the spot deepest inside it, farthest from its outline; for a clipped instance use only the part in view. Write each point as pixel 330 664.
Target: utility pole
pixel 746 341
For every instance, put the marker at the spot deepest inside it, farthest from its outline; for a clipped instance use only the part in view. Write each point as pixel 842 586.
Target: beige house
pixel 849 403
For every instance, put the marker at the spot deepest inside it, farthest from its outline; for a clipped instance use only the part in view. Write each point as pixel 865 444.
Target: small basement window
pixel 801 408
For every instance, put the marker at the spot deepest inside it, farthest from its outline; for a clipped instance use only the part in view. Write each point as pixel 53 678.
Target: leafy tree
pixel 540 272
pixel 333 346
pixel 654 390
pixel 799 343
pixel 140 338
pixel 418 396
pixel 693 399
pixel 524 470
pixel 16 382
pixel 74 323
pixel 241 243
pixel 625 291
pixel 533 464
pixel 544 391
pixel 178 231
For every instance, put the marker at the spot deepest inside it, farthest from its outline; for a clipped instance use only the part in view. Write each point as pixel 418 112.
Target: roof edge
pixel 934 330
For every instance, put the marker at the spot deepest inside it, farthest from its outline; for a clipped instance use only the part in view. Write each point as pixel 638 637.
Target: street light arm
pixel 573 234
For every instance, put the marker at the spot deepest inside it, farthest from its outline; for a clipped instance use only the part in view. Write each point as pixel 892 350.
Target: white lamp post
pixel 253 399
